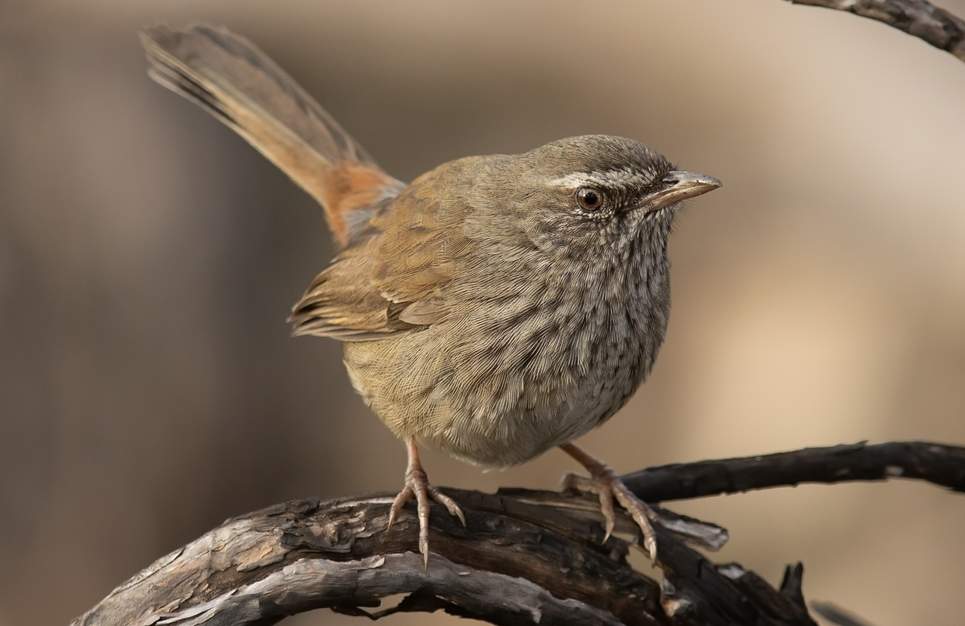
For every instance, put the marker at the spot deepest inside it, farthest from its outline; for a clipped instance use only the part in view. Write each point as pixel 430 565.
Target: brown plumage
pixel 495 307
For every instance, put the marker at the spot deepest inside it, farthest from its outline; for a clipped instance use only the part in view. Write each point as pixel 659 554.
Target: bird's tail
pixel 240 85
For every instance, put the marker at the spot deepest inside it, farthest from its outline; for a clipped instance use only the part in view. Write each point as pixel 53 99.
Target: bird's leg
pixel 607 485
pixel 417 486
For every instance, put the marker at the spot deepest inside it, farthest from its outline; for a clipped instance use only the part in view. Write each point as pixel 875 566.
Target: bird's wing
pixel 396 281
pixel 240 85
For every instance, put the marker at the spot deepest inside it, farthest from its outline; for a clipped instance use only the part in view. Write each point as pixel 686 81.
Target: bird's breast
pixel 549 359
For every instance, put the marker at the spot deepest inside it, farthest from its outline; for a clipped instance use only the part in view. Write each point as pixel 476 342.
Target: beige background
pixel 148 258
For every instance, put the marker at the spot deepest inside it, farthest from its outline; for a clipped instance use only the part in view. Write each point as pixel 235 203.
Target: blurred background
pixel 148 258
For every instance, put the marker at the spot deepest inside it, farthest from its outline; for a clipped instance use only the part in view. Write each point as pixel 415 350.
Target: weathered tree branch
pixel 918 18
pixel 525 557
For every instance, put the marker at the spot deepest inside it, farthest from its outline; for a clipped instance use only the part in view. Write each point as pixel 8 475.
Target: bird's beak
pixel 677 186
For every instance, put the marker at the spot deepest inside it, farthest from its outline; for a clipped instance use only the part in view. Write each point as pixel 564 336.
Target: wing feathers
pixel 391 284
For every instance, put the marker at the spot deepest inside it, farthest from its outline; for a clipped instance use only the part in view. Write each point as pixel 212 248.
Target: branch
pixel 935 463
pixel 525 557
pixel 918 18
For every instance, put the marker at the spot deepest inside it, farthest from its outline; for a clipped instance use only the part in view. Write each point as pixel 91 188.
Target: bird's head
pixel 593 194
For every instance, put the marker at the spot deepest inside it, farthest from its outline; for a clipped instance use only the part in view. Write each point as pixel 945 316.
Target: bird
pixel 495 307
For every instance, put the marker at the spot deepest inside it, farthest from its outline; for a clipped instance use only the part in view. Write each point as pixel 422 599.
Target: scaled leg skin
pixel 607 485
pixel 417 486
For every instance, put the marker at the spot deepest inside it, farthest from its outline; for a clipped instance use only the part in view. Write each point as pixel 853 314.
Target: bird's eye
pixel 590 199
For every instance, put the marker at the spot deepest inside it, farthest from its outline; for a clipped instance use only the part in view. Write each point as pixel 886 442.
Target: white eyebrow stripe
pixel 622 176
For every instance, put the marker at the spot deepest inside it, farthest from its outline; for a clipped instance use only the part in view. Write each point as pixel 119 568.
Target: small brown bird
pixel 494 308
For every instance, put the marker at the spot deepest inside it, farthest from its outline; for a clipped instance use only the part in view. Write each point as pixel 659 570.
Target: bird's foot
pixel 608 487
pixel 417 486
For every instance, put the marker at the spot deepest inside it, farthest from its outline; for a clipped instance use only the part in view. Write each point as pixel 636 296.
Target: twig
pixel 525 557
pixel 935 463
pixel 918 18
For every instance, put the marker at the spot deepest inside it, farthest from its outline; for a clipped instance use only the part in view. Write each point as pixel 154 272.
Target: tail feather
pixel 242 87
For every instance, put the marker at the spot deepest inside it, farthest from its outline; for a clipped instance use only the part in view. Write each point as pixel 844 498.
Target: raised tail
pixel 240 85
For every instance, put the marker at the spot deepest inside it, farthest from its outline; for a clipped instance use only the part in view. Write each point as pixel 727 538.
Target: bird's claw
pixel 417 486
pixel 609 488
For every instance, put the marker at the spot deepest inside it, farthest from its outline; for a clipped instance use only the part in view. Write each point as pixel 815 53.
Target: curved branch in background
pixel 918 18
pixel 525 557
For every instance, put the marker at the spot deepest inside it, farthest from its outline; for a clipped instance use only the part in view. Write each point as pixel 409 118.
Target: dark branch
pixel 525 557
pixel 918 18
pixel 935 463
